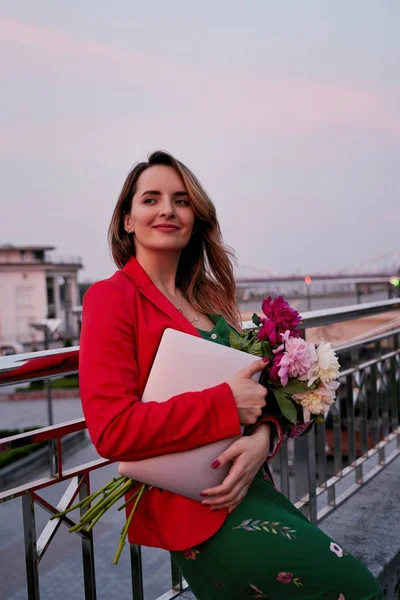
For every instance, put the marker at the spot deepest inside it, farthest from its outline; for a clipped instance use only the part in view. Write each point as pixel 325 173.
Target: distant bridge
pixel 377 270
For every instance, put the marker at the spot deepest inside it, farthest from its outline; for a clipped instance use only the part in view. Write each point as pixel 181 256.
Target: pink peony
pixel 284 577
pixel 298 358
pixel 280 316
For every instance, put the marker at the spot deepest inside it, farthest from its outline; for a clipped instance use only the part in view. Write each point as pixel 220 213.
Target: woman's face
pixel 161 216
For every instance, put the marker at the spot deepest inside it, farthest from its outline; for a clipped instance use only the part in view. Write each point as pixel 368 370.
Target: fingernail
pixel 203 494
pixel 265 359
pixel 215 464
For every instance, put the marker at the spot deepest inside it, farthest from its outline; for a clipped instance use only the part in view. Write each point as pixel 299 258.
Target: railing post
pixel 305 481
pixel 137 572
pixel 89 576
pixel 351 432
pixel 373 397
pixel 31 557
pixel 176 577
pixel 321 452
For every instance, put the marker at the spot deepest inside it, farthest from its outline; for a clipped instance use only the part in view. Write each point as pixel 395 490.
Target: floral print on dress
pixel 286 578
pixel 341 597
pixel 258 593
pixel 269 527
pixel 190 553
pixel 336 549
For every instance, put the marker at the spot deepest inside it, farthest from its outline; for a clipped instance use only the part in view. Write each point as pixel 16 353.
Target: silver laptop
pixel 186 363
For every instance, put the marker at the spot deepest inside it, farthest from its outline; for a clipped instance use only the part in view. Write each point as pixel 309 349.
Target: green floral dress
pixel 268 549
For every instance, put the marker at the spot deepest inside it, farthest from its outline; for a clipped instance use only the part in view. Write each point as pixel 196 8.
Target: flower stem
pixel 129 500
pixel 127 525
pixel 88 499
pixel 114 494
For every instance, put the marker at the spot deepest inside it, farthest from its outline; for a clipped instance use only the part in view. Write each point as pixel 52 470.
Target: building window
pixel 22 255
pixel 38 255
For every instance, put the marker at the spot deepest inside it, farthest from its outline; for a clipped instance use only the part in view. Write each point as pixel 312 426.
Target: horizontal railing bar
pixel 44 434
pixel 369 363
pixel 32 366
pixel 171 594
pixel 366 341
pixel 346 313
pixel 46 481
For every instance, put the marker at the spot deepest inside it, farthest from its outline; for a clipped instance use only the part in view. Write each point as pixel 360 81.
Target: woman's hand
pixel 249 395
pixel 247 454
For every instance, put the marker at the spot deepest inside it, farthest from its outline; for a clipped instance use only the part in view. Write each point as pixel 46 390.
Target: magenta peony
pixel 280 316
pixel 276 363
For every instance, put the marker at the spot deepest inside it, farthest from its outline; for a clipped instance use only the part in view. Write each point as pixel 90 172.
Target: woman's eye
pixel 182 202
pixel 149 201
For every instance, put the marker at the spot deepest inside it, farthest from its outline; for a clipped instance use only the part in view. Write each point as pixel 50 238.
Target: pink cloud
pixel 214 103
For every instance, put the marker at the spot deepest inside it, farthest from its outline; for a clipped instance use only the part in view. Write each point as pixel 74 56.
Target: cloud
pixel 202 100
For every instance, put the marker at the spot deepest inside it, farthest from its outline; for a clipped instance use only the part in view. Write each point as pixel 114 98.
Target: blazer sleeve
pixel 121 427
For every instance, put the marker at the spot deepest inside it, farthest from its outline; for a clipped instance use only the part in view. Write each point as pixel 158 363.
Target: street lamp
pixel 48 327
pixel 308 282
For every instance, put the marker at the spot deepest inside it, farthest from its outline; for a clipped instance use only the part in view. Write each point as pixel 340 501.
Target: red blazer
pixel 123 320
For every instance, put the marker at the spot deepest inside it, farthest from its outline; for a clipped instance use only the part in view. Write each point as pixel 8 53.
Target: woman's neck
pixel 161 268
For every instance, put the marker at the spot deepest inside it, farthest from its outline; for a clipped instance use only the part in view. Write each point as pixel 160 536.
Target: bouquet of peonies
pixel 302 377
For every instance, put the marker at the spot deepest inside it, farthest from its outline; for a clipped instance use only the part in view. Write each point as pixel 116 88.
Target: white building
pixel 34 286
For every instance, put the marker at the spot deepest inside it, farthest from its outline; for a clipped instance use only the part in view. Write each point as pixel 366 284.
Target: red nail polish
pixel 265 359
pixel 203 494
pixel 215 464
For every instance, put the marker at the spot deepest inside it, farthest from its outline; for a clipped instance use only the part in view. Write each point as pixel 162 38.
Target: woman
pixel 174 271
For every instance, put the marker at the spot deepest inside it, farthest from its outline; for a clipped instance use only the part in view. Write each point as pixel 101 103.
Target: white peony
pixel 327 366
pixel 318 401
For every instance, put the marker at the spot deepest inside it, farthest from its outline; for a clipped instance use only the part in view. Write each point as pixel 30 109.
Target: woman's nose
pixel 167 210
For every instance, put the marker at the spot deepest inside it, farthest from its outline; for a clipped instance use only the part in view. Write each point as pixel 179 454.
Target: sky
pixel 287 111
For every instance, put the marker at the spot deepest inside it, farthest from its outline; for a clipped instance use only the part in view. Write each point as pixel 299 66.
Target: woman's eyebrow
pixel 153 192
pixel 157 193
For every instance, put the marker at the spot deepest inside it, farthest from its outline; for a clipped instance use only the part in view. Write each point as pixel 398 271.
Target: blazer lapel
pixel 147 288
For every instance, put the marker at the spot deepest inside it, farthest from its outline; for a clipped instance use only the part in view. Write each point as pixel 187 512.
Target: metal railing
pixel 359 437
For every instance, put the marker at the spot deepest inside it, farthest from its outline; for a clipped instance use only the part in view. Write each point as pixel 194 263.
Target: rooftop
pixel 8 247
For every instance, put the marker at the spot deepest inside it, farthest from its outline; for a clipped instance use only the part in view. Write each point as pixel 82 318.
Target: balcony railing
pixel 360 436
pixel 62 260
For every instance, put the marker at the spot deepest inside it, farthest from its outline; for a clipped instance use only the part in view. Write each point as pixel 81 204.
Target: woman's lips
pixel 166 228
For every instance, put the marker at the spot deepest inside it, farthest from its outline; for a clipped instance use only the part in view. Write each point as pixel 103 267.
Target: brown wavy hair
pixel 205 271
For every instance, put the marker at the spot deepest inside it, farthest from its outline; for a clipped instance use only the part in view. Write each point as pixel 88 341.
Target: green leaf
pixel 256 319
pixel 295 386
pixel 266 349
pixel 286 405
pixel 255 348
pixel 235 341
